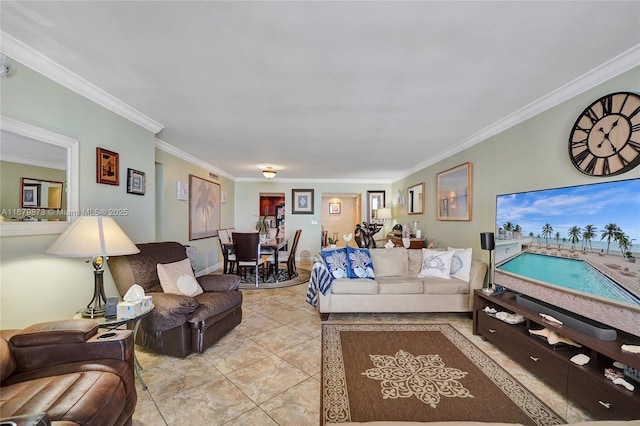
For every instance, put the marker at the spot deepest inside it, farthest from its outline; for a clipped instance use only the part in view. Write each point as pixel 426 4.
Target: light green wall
pixel 10 181
pixel 247 202
pixel 174 216
pixel 532 155
pixel 35 287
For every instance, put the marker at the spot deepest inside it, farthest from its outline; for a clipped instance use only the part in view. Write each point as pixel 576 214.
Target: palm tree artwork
pixel 204 208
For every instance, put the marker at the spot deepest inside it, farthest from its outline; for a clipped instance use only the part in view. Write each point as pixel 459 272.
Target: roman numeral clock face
pixel 605 139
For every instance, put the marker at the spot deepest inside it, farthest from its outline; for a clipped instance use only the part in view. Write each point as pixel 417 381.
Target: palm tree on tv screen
pixel 609 233
pixel 547 231
pixel 574 235
pixel 590 232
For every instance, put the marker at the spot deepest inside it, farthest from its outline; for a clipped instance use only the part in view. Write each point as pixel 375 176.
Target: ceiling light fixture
pixel 269 173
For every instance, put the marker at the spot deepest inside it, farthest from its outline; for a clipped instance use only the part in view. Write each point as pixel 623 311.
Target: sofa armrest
pixel 219 282
pixel 57 344
pixel 477 275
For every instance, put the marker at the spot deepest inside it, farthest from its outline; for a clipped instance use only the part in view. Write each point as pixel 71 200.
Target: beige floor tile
pixel 297 406
pixel 305 356
pixel 231 355
pixel 148 415
pixel 255 417
pixel 279 338
pixel 213 403
pixel 265 379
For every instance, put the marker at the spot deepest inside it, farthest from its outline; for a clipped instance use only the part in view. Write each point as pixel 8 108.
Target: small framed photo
pixel 30 196
pixel 334 208
pixel 302 201
pixel 135 182
pixel 107 167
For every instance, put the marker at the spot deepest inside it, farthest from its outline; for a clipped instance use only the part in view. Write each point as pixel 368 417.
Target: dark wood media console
pixel 585 385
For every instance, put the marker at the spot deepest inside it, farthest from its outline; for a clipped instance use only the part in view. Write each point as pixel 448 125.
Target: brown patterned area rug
pixel 411 372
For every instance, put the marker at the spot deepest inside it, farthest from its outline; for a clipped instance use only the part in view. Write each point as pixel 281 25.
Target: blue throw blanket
pixel 320 280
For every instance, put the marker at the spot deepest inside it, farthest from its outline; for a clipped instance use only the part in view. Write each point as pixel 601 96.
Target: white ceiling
pixel 356 91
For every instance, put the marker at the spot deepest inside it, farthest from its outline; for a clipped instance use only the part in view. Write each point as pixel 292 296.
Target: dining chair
pixel 230 232
pixel 247 247
pixel 287 257
pixel 223 238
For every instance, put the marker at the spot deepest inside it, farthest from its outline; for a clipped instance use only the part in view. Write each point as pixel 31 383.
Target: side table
pixel 113 323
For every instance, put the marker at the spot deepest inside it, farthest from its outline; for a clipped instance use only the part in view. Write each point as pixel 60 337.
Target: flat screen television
pixel 575 248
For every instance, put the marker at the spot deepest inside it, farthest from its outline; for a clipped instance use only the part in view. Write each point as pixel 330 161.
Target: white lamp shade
pixel 383 213
pixel 92 236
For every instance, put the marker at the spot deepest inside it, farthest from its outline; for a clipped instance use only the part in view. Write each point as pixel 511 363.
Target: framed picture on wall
pixel 30 195
pixel 135 182
pixel 375 201
pixel 204 208
pixel 302 201
pixel 107 167
pixel 454 193
pixel 335 208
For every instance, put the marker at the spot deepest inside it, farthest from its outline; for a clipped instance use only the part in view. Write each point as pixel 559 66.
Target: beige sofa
pixel 397 288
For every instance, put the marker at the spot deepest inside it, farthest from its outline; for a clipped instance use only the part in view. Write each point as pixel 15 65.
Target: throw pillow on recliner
pixel 178 278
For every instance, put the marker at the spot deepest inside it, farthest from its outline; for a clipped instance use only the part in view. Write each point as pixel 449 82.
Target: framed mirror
pixel 415 199
pixel 29 153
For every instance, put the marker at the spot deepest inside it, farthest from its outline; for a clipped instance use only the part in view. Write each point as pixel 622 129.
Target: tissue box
pixel 129 310
pixel 146 303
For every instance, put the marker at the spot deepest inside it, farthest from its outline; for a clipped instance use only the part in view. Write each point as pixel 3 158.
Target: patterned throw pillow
pixel 436 264
pixel 336 261
pixel 360 264
pixel 461 263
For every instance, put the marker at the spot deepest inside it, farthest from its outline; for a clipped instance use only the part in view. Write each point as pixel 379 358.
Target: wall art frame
pixel 136 182
pixel 454 193
pixel 375 200
pixel 107 167
pixel 302 201
pixel 204 208
pixel 335 208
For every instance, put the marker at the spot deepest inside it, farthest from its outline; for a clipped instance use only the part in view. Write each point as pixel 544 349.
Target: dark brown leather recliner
pixel 66 373
pixel 178 325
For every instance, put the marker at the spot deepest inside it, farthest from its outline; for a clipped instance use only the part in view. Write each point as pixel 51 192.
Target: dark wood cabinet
pixel 585 385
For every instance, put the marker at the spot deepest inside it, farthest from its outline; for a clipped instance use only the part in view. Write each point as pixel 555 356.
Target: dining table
pixel 274 246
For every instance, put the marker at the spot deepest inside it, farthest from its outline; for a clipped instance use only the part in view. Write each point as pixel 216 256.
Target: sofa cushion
pixel 177 278
pixel 336 261
pixel 436 264
pixel 400 285
pixel 461 263
pixel 214 303
pixel 445 286
pixel 354 286
pixel 8 362
pixel 359 263
pixel 414 262
pixel 392 262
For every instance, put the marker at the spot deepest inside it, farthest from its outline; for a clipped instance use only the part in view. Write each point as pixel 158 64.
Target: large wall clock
pixel 605 140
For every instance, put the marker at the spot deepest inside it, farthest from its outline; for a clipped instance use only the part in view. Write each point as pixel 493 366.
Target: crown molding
pixel 170 149
pixel 318 180
pixel 612 68
pixel 35 60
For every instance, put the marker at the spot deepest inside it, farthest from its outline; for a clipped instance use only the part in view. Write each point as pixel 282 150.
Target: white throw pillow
pixel 178 278
pixel 436 264
pixel 461 263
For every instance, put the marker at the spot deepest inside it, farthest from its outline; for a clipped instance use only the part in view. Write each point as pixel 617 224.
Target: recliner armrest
pixel 58 342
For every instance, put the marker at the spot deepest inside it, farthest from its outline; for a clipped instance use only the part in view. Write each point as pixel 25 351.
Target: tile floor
pixel 267 370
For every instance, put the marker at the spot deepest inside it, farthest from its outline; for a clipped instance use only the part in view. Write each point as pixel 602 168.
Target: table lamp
pixel 488 242
pixel 94 237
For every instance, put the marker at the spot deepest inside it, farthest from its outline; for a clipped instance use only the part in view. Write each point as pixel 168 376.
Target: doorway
pixel 340 215
pixel 272 211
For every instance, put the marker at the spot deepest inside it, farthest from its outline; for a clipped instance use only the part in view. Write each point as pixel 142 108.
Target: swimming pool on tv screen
pixel 568 273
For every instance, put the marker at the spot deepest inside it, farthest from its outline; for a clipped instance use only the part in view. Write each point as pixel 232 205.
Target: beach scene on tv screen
pixel 584 238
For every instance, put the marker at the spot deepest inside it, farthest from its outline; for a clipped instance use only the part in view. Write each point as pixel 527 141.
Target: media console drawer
pixel 497 332
pixel 603 399
pixel 541 361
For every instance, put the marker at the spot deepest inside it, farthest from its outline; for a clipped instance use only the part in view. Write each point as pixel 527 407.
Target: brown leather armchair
pixel 65 373
pixel 178 325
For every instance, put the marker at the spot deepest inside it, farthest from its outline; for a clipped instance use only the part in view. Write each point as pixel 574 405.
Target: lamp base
pixel 92 312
